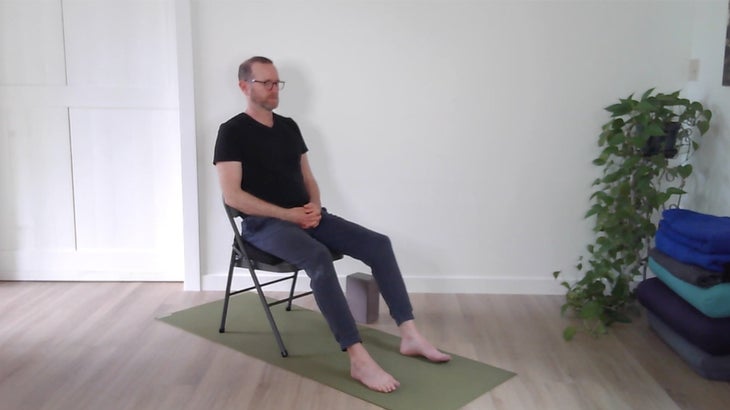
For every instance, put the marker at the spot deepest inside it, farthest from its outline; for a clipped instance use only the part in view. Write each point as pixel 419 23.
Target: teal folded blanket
pixel 712 302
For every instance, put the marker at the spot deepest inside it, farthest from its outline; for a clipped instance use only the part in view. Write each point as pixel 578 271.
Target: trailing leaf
pixel 569 333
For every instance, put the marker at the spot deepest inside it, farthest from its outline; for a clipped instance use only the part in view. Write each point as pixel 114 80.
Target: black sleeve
pixel 301 145
pixel 226 148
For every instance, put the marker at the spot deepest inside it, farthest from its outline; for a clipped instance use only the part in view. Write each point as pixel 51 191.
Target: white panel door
pixel 127 189
pixel 89 141
pixel 31 43
pixel 36 211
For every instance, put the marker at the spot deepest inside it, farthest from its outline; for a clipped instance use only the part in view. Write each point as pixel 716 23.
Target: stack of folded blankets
pixel 688 302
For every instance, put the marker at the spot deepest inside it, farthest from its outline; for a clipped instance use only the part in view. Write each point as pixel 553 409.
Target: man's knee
pixel 319 263
pixel 381 242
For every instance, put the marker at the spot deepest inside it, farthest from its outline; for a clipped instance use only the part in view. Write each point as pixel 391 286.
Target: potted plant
pixel 640 175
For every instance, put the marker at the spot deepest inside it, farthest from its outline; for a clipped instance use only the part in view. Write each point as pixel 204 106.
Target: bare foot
pixel 365 370
pixel 414 344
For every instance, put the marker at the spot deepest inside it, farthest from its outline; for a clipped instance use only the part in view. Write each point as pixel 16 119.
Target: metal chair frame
pixel 246 256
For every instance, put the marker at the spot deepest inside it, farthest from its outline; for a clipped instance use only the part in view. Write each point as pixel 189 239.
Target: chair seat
pixel 265 261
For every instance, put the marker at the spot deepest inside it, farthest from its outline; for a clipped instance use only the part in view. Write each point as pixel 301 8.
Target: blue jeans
pixel 309 250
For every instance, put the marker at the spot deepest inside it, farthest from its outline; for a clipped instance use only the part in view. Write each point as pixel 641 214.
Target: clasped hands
pixel 306 216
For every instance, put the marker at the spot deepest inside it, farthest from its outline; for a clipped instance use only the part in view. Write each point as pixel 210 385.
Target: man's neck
pixel 265 117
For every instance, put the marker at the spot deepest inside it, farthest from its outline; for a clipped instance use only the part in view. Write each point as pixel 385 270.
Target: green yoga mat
pixel 314 354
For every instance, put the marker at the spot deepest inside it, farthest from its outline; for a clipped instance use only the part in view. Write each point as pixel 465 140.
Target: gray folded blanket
pixel 693 274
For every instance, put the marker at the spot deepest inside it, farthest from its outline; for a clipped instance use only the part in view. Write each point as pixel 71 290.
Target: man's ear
pixel 243 86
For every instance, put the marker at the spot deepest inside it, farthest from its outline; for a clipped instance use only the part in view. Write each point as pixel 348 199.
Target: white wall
pixel 710 184
pixel 463 129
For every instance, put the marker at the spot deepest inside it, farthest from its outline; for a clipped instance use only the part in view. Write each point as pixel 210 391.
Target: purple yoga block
pixel 363 297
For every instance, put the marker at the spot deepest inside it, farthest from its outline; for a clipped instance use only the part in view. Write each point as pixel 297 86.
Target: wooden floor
pixel 98 346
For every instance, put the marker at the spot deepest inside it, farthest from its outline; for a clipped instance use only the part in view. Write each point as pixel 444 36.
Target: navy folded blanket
pixel 683 253
pixel 711 335
pixel 706 365
pixel 693 274
pixel 702 232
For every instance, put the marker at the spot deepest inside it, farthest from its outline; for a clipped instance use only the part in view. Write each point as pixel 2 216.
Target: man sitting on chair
pixel 262 165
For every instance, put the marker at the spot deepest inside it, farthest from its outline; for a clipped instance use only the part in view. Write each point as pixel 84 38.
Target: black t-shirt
pixel 270 157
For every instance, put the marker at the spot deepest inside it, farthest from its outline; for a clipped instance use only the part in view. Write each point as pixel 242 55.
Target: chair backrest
pixel 233 212
pixel 238 245
pixel 247 254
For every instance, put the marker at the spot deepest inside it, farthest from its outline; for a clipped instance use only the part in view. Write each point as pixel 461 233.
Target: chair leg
pixel 267 310
pixel 291 292
pixel 228 293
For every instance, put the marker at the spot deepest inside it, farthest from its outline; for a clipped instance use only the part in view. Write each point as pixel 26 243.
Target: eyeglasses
pixel 269 84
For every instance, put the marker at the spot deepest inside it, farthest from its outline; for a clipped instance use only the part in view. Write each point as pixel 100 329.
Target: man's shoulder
pixel 237 120
pixel 279 117
pixel 288 122
pixel 244 119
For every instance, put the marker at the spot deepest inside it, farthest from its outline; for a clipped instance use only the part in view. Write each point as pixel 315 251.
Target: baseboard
pixel 89 276
pixel 415 284
pixel 217 282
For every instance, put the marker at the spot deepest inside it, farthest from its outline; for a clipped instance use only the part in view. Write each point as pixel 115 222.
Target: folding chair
pixel 245 255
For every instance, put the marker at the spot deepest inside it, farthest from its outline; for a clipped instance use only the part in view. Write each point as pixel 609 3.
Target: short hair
pixel 244 70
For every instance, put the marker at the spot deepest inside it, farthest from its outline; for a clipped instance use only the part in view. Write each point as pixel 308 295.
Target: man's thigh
pixel 344 236
pixel 281 238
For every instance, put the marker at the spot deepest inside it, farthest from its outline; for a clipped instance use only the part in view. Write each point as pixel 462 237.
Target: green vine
pixel 639 177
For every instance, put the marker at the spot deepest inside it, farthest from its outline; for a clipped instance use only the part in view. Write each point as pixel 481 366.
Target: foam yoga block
pixel 363 297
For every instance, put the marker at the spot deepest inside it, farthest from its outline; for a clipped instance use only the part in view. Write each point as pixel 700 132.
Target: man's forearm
pixel 251 205
pixel 310 183
pixel 313 191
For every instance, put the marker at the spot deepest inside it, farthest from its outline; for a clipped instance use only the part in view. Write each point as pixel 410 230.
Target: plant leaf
pixel 620 109
pixel 647 93
pixel 592 309
pixel 675 191
pixel 684 170
pixel 569 333
pixel 703 126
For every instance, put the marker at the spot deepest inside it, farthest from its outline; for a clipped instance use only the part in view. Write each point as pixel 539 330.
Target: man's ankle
pixel 357 350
